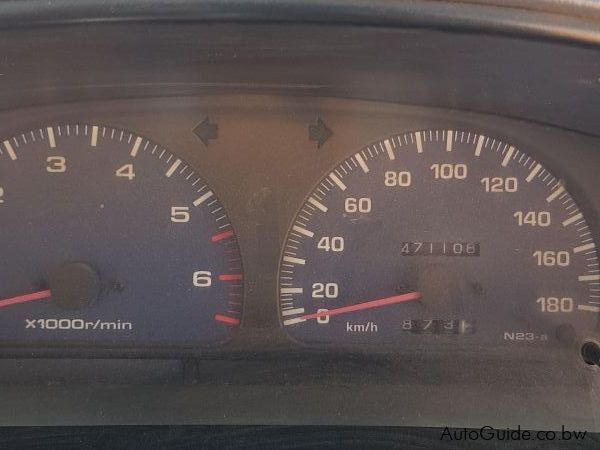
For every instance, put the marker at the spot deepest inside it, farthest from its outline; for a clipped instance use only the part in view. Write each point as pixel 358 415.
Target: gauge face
pixel 439 236
pixel 108 238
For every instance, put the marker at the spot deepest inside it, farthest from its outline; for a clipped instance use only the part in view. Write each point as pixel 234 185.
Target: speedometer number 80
pixel 397 179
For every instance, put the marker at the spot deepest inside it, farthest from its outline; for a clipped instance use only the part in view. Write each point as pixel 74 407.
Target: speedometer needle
pixel 40 295
pixel 365 305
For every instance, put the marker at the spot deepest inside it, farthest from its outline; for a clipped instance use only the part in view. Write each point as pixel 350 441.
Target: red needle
pixel 365 305
pixel 41 295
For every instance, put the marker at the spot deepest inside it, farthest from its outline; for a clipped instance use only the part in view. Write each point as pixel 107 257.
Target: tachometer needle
pixel 365 305
pixel 40 295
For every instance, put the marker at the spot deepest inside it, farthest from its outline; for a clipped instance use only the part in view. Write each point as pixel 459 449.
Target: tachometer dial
pixel 440 233
pixel 108 238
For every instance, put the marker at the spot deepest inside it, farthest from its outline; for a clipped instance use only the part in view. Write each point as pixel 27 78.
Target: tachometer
pixel 440 235
pixel 108 238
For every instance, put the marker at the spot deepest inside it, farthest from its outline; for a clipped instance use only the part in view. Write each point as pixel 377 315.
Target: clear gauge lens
pixel 440 235
pixel 108 238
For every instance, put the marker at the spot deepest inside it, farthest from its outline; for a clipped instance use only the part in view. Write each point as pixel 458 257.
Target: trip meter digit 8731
pixel 439 235
pixel 108 238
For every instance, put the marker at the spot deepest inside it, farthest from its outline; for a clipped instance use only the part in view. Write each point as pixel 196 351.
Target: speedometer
pixel 110 239
pixel 440 235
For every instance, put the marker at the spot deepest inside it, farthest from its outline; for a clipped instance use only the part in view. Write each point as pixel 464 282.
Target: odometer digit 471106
pixel 440 235
pixel 110 239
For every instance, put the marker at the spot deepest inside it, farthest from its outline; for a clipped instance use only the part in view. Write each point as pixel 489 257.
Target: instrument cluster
pixel 355 225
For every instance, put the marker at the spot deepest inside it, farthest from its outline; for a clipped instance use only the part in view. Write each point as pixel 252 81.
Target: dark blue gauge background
pixel 123 229
pixel 495 291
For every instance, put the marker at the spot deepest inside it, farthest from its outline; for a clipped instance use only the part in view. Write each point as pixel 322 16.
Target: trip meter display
pixel 440 235
pixel 108 238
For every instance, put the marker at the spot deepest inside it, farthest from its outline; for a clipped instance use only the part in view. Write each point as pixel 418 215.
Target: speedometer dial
pixel 108 238
pixel 440 235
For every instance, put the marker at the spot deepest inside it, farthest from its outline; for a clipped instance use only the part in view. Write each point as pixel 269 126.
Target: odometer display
pixel 110 239
pixel 440 232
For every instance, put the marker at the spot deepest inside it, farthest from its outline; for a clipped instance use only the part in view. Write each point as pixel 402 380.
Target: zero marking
pixel 293 321
pixel 292 312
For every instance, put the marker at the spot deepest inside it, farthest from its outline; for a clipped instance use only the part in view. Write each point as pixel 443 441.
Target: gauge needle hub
pixel 34 296
pixel 366 305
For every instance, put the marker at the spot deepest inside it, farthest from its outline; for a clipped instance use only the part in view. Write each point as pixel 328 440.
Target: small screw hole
pixel 590 352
